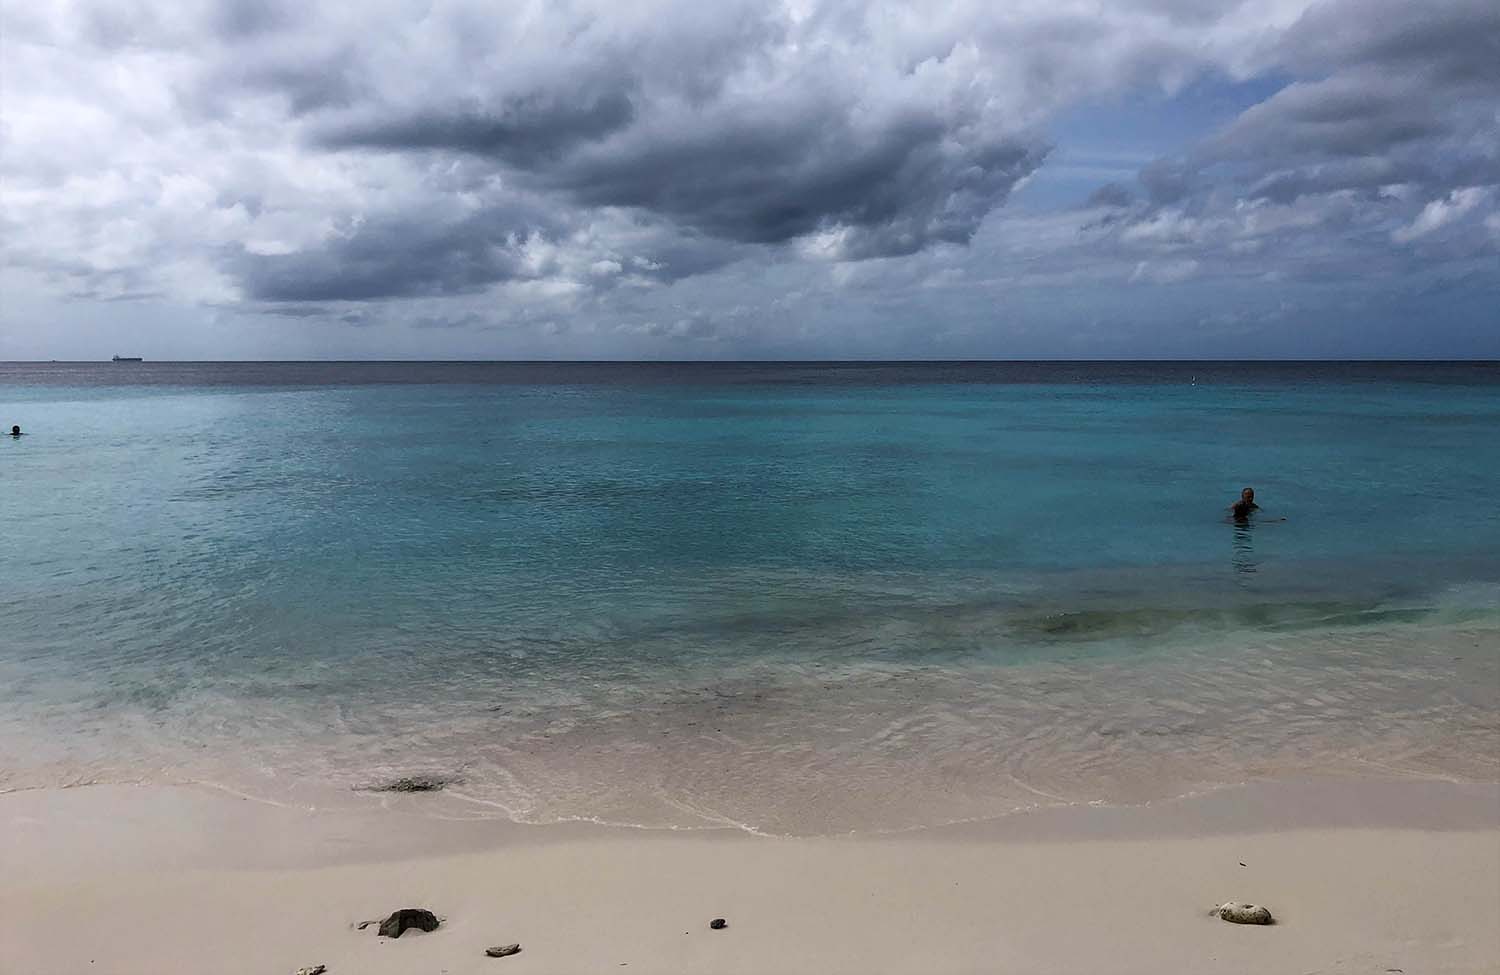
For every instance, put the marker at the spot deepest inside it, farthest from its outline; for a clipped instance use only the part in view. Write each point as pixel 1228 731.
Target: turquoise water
pixel 550 581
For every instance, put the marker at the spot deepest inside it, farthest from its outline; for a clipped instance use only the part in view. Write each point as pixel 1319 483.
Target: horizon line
pixel 805 362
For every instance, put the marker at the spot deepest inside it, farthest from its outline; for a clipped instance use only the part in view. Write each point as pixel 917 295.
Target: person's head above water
pixel 1245 504
pixel 15 431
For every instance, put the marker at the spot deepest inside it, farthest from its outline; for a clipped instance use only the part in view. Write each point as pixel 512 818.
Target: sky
pixel 681 179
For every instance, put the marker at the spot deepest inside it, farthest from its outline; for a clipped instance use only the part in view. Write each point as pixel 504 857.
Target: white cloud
pixel 1164 272
pixel 1442 212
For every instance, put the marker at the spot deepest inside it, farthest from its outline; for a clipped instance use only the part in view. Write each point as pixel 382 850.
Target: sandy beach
pixel 1362 877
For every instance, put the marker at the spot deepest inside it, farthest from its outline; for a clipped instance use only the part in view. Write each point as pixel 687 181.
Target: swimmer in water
pixel 1242 508
pixel 15 431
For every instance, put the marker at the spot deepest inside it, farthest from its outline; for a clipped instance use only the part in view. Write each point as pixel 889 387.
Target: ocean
pixel 790 598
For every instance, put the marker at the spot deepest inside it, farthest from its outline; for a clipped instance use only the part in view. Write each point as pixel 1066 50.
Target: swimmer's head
pixel 1248 494
pixel 15 431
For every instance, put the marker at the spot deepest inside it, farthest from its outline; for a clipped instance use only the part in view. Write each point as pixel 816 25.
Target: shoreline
pixel 785 751
pixel 1367 875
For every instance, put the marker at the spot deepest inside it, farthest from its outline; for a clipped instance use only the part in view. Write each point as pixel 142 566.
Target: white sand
pixel 1368 878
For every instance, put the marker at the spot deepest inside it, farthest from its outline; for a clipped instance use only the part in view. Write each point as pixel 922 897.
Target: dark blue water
pixel 304 559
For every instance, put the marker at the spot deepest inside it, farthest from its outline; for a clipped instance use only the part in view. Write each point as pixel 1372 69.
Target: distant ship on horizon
pixel 127 358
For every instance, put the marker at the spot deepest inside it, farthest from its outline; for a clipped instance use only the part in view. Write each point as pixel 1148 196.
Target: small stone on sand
pixel 1237 913
pixel 500 951
pixel 313 970
pixel 718 924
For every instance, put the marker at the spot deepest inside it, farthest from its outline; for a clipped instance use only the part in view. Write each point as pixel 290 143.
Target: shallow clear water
pixel 796 598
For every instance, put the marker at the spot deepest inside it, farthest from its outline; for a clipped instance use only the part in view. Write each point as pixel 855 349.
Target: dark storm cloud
pixel 1356 115
pixel 526 131
pixel 247 18
pixel 1167 181
pixel 702 124
pixel 910 184
pixel 392 256
pixel 345 315
pixel 624 173
pixel 804 160
pixel 430 252
pixel 1455 42
pixel 1111 195
pixel 309 79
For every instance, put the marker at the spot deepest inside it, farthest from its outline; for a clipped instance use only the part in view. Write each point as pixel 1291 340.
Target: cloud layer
pixel 616 177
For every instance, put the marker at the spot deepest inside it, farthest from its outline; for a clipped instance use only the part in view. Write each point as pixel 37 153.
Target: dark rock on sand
pixel 406 918
pixel 1237 913
pixel 415 783
pixel 718 924
pixel 500 951
pixel 312 970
